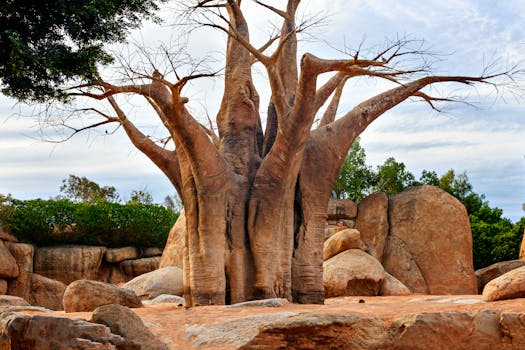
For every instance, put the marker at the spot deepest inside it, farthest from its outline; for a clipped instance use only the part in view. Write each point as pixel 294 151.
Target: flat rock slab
pixel 372 321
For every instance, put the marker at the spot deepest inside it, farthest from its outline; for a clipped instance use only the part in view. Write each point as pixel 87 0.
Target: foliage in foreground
pixel 50 222
pixel 494 237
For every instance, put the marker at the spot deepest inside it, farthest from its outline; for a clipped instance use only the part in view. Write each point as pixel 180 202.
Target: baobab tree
pixel 255 195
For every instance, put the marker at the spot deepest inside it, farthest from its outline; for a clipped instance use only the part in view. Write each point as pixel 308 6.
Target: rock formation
pixel 85 295
pixel 507 286
pixel 166 280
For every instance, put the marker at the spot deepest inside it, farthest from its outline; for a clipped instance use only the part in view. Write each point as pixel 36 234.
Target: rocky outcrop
pixel 372 222
pixel 138 267
pixel 341 209
pixel 448 330
pixel 301 331
pixel 507 286
pixel 391 286
pixel 117 255
pixel 167 280
pixel 8 266
pixel 435 228
pixel 487 274
pixel 85 295
pixel 341 241
pixel 173 251
pixel 68 264
pixel 352 272
pixel 11 300
pixel 44 332
pixel 122 321
pixel 46 292
pixel 23 254
pixel 398 261
pixel 3 287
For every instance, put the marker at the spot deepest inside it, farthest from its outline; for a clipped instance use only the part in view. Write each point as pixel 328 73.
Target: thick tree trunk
pixel 255 203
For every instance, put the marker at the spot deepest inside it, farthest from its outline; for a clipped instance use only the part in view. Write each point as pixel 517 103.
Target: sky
pixel 484 137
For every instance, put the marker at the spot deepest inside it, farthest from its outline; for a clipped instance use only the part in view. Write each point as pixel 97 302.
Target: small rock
pixel 510 285
pixel 341 241
pixel 120 254
pixel 341 209
pixel 139 267
pixel 274 302
pixel 151 251
pixel 167 280
pixel 122 321
pixel 392 286
pixel 85 295
pixel 165 299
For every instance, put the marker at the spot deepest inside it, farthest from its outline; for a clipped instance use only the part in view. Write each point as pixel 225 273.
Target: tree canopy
pixel 46 44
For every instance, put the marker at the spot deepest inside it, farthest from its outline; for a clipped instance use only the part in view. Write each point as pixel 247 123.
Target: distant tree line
pixel 86 213
pixel 495 238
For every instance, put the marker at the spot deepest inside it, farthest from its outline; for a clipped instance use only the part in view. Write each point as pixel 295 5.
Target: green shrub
pixel 52 222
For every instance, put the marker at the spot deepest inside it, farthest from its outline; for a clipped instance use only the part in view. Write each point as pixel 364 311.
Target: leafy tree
pixel 252 197
pixel 356 178
pixel 45 44
pixel 173 203
pixel 81 189
pixel 140 196
pixel 392 177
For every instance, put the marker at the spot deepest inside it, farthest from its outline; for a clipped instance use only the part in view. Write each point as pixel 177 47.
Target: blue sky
pixel 487 139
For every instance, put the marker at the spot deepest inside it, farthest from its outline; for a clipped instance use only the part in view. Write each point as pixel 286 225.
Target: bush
pixel 52 222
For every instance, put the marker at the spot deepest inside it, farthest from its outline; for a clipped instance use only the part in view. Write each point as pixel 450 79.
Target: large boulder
pixel 487 274
pixel 352 272
pixel 138 267
pixel 391 286
pixel 46 292
pixel 372 222
pixel 341 241
pixel 23 254
pixel 167 280
pixel 435 228
pixel 44 332
pixel 510 285
pixel 398 261
pixel 69 263
pixel 174 250
pixel 8 266
pixel 341 209
pixel 122 321
pixel 85 295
